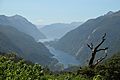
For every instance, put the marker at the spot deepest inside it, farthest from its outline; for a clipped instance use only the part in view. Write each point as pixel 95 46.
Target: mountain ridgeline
pixel 57 30
pixel 18 35
pixel 75 42
pixel 23 25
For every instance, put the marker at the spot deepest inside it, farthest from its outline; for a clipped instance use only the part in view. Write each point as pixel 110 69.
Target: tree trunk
pixel 95 50
pixel 92 59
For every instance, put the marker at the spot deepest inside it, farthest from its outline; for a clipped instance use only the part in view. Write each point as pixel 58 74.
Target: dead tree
pixel 95 50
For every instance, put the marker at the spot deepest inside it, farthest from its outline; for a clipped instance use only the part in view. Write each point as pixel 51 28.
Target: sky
pixel 42 12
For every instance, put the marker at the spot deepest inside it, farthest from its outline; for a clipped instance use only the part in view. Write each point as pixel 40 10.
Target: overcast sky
pixel 54 11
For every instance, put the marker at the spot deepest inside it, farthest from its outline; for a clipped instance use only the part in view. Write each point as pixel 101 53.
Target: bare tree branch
pixel 92 45
pixel 89 46
pixel 102 49
pixel 95 50
pixel 104 36
pixel 100 60
pixel 103 39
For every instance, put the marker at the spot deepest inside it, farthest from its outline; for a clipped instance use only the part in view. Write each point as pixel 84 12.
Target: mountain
pixel 57 30
pixel 75 42
pixel 24 45
pixel 6 45
pixel 40 26
pixel 23 25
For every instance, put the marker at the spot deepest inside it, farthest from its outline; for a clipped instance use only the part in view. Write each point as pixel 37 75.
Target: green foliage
pixel 98 77
pixel 86 71
pixel 10 69
pixel 110 70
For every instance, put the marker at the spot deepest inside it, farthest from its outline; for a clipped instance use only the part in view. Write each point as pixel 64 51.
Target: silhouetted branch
pixel 100 60
pixel 95 50
pixel 102 49
pixel 104 36
pixel 103 39
pixel 90 46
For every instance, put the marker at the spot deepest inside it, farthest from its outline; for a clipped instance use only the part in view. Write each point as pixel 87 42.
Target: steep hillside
pixel 57 30
pixel 13 40
pixel 22 25
pixel 75 41
pixel 6 45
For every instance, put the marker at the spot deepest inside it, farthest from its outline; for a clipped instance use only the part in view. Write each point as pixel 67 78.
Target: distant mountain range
pixel 57 30
pixel 75 41
pixel 23 25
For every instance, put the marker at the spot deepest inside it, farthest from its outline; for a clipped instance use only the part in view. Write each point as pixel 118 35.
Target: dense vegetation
pixel 15 68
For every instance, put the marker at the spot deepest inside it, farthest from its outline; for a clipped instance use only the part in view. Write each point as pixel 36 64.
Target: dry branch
pixel 94 50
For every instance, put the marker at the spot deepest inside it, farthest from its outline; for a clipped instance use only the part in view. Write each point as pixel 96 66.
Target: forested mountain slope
pixel 24 45
pixel 75 41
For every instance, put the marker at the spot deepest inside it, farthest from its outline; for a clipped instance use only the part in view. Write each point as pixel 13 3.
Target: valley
pixel 59 40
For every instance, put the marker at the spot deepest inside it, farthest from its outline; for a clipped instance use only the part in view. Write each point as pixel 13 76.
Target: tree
pixel 94 51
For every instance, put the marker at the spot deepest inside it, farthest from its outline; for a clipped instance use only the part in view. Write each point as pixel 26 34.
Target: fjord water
pixel 46 40
pixel 63 57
